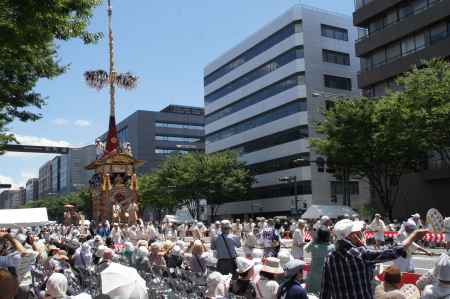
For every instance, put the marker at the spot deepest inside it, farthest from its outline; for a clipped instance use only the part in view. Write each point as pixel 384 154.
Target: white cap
pixel 444 268
pixel 417 215
pixel 100 251
pixel 324 219
pixel 226 224
pixel 285 257
pixel 243 264
pixel 345 227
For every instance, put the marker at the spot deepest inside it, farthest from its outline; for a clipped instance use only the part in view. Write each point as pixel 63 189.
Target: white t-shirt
pixel 267 289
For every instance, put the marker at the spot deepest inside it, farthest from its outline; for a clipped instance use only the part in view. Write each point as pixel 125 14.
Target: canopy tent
pixel 23 217
pixel 316 211
pixel 180 217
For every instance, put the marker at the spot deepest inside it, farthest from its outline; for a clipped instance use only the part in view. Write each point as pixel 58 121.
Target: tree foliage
pixel 183 180
pixel 55 205
pixel 383 139
pixel 28 33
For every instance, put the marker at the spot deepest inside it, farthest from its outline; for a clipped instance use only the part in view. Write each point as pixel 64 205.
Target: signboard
pixel 36 149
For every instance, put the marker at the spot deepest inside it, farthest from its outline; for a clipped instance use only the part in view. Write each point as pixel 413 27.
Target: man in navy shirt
pixel 292 288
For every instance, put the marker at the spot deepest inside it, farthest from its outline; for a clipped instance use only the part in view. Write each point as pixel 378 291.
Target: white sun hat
pixel 244 264
pixel 345 227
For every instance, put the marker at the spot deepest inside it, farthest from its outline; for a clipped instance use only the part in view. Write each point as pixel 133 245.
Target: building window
pixel 282 137
pixel 338 82
pixel 335 57
pixel 282 190
pixel 276 63
pixel 177 139
pixel 278 164
pixel 256 50
pixel 337 188
pixel 335 32
pixel 178 126
pixel 165 151
pixel 123 135
pixel 259 120
pixel 259 96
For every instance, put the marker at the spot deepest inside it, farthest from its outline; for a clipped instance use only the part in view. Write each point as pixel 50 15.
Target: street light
pixel 289 180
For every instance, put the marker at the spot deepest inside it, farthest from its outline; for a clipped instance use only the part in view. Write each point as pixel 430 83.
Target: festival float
pixel 113 186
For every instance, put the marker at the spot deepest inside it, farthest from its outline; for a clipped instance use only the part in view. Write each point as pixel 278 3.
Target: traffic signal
pixel 320 162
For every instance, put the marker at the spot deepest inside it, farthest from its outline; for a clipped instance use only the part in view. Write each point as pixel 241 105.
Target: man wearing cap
pixel 225 245
pixel 292 288
pixel 378 227
pixel 349 270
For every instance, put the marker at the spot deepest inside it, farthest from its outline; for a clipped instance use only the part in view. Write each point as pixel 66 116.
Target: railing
pixel 399 19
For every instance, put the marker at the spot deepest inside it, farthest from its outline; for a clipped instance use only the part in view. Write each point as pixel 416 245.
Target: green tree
pixel 372 140
pixel 218 178
pixel 29 31
pixel 55 204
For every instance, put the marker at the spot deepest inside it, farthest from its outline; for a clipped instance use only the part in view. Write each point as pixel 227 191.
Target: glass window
pixel 259 96
pixel 419 4
pixel 379 58
pixel 259 120
pixel 334 32
pixel 178 126
pixel 338 82
pixel 278 164
pixel 286 136
pixel 420 41
pixel 393 52
pixel 282 190
pixel 337 188
pixel 336 57
pixel 283 59
pixel 376 25
pixel 405 10
pixel 178 139
pixel 408 45
pixel 259 48
pixel 165 151
pixel 438 32
pixel 390 18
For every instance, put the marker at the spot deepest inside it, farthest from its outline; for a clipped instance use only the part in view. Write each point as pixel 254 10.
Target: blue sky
pixel 166 43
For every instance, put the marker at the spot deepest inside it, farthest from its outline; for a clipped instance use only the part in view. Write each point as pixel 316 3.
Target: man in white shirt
pixel 379 228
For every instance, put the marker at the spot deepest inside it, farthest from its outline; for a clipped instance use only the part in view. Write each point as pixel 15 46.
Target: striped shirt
pixel 349 270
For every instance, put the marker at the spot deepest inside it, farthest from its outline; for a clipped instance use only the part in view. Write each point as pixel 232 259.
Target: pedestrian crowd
pixel 262 258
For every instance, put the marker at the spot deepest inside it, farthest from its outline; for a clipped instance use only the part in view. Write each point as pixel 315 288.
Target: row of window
pixel 397 14
pixel 178 126
pixel 282 190
pixel 406 46
pixel 259 48
pixel 259 96
pixel 279 164
pixel 259 120
pixel 165 151
pixel 334 32
pixel 273 65
pixel 178 139
pixel 285 136
pixel 336 57
pixel 337 82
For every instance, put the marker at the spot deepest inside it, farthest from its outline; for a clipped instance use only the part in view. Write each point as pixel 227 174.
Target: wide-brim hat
pixel 226 224
pixel 272 265
pixel 244 264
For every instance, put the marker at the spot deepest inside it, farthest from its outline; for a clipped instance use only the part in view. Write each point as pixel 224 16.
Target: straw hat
pixel 272 265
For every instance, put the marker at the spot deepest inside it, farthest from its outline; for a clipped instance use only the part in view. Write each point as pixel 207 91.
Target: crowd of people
pixel 263 258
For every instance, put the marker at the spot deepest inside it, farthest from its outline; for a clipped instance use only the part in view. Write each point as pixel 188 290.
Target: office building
pixel 395 36
pixel 66 173
pixel 154 135
pixel 45 180
pixel 263 97
pixel 12 199
pixel 32 190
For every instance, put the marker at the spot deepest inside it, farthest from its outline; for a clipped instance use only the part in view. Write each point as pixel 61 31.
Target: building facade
pixel 263 97
pixel 32 190
pixel 45 180
pixel 395 36
pixel 154 135
pixel 12 199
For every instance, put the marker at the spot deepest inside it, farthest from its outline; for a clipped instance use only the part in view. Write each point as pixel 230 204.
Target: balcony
pixel 366 9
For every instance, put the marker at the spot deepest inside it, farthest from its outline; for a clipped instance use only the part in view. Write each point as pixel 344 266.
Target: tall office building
pixel 45 180
pixel 32 190
pixel 12 199
pixel 154 135
pixel 263 97
pixel 395 36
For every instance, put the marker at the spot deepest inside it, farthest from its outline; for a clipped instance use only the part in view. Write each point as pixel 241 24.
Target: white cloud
pixel 9 180
pixel 82 123
pixel 60 122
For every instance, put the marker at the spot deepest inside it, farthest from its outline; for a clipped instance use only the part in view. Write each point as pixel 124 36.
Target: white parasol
pixel 121 282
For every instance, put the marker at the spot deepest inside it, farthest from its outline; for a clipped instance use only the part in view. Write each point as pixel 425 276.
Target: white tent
pixel 316 211
pixel 23 217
